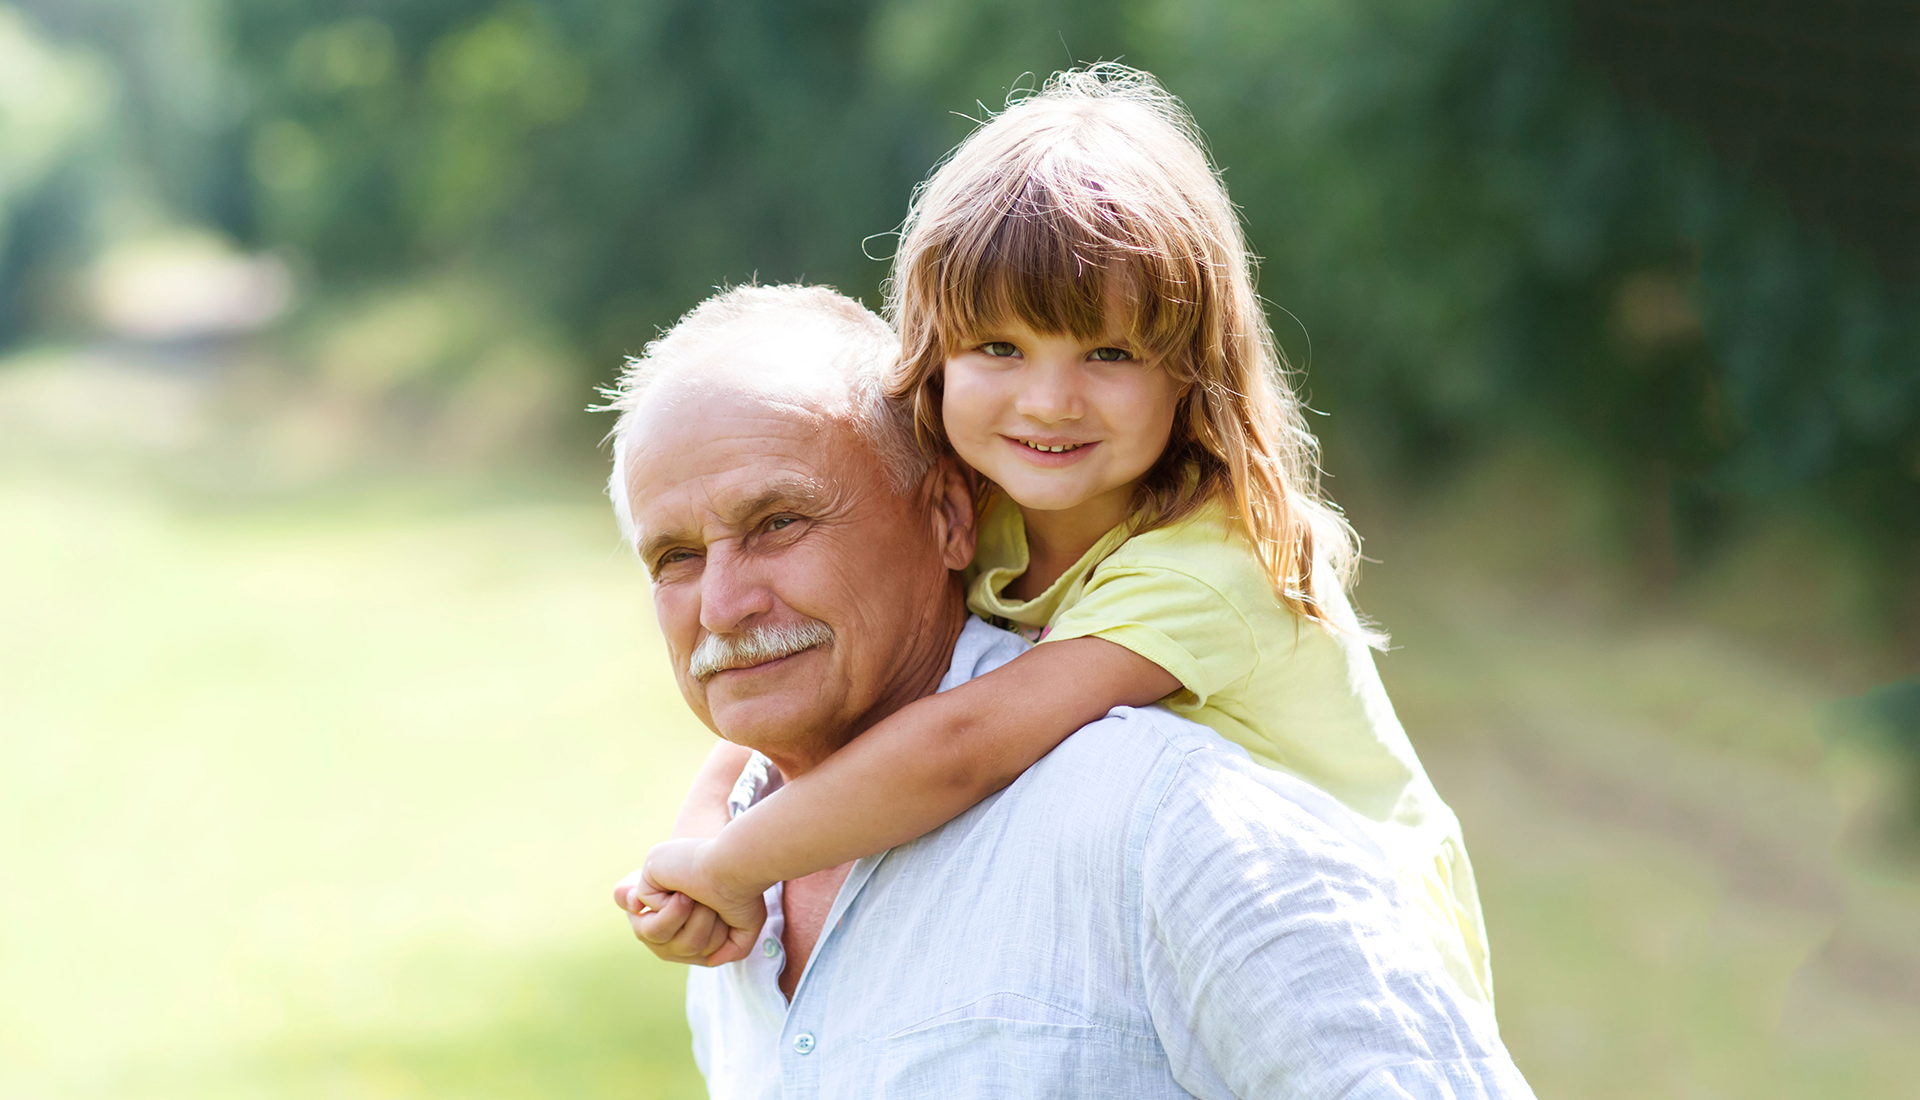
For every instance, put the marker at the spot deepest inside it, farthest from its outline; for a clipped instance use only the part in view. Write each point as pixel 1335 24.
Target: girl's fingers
pixel 716 939
pixel 624 894
pixel 743 938
pixel 636 893
pixel 664 921
pixel 677 928
pixel 645 895
pixel 738 945
pixel 690 942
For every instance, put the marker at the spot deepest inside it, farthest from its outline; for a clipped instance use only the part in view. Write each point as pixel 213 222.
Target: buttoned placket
pixel 805 1032
pixel 762 966
pixel 808 1037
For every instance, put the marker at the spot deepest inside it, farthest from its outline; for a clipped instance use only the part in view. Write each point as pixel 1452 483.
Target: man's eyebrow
pixel 651 546
pixel 803 494
pixel 791 493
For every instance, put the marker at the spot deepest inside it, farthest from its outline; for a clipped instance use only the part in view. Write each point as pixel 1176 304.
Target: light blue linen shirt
pixel 1144 913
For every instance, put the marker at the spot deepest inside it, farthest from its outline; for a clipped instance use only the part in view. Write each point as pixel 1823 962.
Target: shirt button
pixel 770 948
pixel 803 1042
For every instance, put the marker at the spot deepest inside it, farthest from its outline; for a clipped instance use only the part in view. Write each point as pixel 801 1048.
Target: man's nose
pixel 731 591
pixel 1051 394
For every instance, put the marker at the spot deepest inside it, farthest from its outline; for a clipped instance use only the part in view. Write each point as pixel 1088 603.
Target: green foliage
pixel 1480 233
pixel 1475 229
pixel 52 101
pixel 1891 713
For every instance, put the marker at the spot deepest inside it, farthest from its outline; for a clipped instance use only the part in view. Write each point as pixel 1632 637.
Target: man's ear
pixel 952 512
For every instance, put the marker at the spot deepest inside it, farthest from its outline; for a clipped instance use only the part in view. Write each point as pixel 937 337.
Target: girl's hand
pixel 672 925
pixel 689 867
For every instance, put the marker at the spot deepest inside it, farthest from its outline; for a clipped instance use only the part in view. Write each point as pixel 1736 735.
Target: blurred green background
pixel 330 706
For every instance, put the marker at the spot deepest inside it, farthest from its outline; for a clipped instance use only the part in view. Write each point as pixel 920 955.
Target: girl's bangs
pixel 1055 269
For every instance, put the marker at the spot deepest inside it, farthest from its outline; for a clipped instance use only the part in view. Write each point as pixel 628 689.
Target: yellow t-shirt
pixel 1192 598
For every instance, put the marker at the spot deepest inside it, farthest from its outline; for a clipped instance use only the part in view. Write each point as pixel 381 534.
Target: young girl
pixel 1079 325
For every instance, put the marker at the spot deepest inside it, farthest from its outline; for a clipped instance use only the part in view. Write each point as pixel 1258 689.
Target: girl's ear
pixel 952 512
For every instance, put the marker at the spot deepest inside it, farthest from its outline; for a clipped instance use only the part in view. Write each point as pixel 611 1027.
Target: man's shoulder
pixel 1112 767
pixel 981 648
pixel 1186 770
pixel 1154 731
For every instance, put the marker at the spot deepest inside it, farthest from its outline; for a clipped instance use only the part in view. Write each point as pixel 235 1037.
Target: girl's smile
pixel 1051 452
pixel 1062 423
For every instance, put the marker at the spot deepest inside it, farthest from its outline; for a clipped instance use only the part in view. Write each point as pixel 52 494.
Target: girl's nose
pixel 1051 394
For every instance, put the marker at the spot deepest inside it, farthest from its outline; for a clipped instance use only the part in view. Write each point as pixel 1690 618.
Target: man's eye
pixel 674 557
pixel 779 523
pixel 999 349
pixel 1110 355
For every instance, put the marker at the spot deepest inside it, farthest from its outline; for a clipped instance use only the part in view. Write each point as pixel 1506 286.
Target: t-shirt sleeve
pixel 1169 616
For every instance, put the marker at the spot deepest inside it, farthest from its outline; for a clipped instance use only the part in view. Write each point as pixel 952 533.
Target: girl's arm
pixel 911 773
pixel 673 926
pixel 704 813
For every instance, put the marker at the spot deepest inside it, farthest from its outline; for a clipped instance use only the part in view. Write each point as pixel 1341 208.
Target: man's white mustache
pixel 756 645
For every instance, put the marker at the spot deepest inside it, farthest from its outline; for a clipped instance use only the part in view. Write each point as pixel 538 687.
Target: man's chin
pixel 767 703
pixel 776 728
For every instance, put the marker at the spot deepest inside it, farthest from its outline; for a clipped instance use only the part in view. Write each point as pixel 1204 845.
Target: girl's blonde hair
pixel 1095 185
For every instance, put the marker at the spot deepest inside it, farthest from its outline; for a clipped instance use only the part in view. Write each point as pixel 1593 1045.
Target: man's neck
pixel 807 901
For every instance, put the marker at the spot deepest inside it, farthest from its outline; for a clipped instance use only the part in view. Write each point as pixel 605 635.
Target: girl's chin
pixel 1049 498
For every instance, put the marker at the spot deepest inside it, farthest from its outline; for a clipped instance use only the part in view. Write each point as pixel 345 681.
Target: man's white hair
pixel 863 346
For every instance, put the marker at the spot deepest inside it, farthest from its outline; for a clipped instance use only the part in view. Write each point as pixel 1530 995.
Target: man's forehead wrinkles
pixel 806 492
pixel 713 459
pixel 803 396
pixel 733 503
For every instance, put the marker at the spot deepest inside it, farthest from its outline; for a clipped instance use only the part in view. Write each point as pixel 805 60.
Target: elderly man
pixel 1144 913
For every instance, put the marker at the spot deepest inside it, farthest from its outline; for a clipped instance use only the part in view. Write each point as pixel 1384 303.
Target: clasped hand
pixel 686 913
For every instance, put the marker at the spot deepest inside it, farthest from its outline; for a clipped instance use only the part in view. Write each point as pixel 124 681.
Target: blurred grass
pixel 318 791
pixel 1684 855
pixel 324 794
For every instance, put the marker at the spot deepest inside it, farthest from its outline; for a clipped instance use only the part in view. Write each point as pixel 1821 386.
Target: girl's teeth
pixel 1054 450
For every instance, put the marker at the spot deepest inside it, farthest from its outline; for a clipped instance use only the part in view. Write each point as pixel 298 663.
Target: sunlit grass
pixel 325 798
pixel 319 794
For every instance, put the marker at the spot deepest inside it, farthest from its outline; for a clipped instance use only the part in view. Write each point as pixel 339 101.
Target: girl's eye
pixel 999 349
pixel 1110 355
